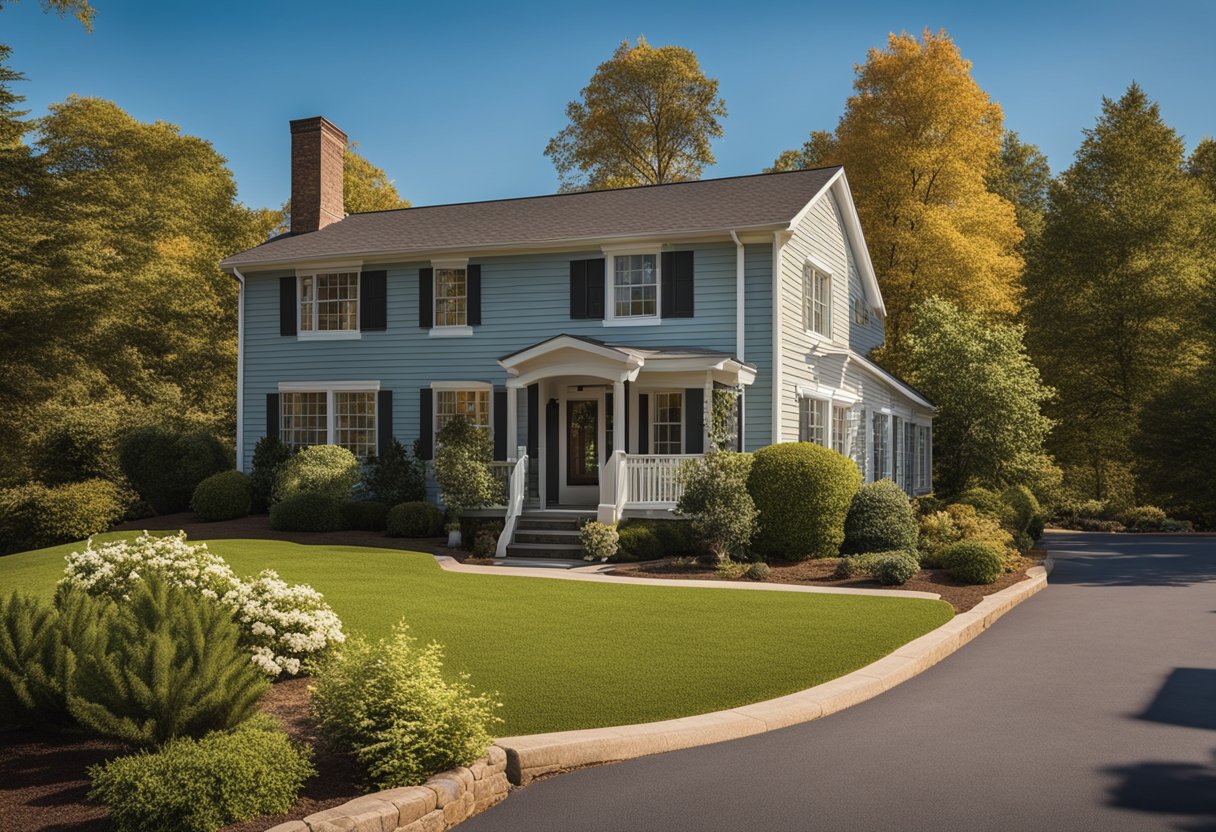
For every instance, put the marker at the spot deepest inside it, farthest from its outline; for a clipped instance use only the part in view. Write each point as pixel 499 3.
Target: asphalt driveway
pixel 1092 706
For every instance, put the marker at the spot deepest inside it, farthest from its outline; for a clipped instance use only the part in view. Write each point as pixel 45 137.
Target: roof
pixel 736 203
pixel 640 352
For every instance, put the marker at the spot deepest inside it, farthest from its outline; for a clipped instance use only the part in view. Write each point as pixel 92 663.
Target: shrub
pixel 880 519
pixel 282 625
pixel 318 469
pixel 33 667
pixel 390 705
pixel 171 665
pixel 715 497
pixel 395 477
pixel 928 504
pixel 959 522
pixel 33 515
pixel 202 785
pixel 417 519
pixel 77 442
pixel 600 540
pixel 364 515
pixel 269 455
pixel 638 541
pixel 973 562
pixel 730 570
pixel 307 511
pixel 1024 508
pixel 471 527
pixel 165 466
pixel 802 492
pixel 1089 524
pixel 485 543
pixel 757 571
pixel 987 501
pixel 1143 519
pixel 462 467
pixel 222 496
pixel 890 568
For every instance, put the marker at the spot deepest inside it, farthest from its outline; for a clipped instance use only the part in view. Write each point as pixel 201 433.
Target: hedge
pixel 364 515
pixel 34 515
pixel 308 511
pixel 223 496
pixel 416 519
pixel 803 492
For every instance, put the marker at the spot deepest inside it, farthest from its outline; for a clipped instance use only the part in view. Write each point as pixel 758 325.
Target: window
pixel 451 297
pixel 668 423
pixel 857 436
pixel 861 311
pixel 303 419
pixel 881 457
pixel 329 417
pixel 840 430
pixel 815 421
pixel 473 404
pixel 923 472
pixel 817 300
pixel 355 422
pixel 895 451
pixel 329 302
pixel 635 286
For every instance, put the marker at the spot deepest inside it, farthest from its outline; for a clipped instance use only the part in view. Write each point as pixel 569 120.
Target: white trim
pixel 740 294
pixel 566 342
pixel 450 263
pixel 332 267
pixel 810 267
pixel 240 370
pixel 328 334
pixel 325 386
pixel 460 331
pixel 640 320
pixel 462 385
pixel 610 316
pixel 780 238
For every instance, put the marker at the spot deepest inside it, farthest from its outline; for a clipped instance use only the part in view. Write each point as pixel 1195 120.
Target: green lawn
pixel 565 654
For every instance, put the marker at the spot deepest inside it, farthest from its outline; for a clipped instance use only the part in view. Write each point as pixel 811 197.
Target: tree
pixel 919 139
pixel 366 187
pixel 462 467
pixel 1022 176
pixel 1114 287
pixel 646 117
pixel 990 429
pixel 1202 165
pixel 79 9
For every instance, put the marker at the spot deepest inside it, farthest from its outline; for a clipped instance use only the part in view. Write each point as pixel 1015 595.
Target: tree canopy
pixel 1022 177
pixel 646 117
pixel 79 9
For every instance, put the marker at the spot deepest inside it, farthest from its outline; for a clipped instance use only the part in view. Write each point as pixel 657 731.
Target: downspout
pixel 240 370
pixel 739 295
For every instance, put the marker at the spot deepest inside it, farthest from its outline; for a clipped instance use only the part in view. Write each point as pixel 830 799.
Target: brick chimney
pixel 317 149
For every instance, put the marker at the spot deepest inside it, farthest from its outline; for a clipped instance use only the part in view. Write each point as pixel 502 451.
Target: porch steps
pixel 548 534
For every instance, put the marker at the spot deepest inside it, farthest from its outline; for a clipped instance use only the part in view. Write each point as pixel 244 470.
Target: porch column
pixel 512 419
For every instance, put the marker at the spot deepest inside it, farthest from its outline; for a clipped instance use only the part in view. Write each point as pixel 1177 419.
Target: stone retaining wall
pixel 437 805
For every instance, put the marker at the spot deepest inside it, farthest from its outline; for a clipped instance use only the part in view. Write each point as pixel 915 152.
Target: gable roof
pixel 759 201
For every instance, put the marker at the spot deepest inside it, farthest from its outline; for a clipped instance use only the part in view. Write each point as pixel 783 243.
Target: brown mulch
pixel 819 573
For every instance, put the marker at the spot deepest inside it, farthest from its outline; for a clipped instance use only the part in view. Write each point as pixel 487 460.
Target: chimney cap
pixel 308 125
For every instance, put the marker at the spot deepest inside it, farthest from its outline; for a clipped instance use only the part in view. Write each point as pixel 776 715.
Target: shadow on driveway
pixel 1187 790
pixel 1139 560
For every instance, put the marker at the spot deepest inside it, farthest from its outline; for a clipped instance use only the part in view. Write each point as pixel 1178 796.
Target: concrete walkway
pixel 1092 706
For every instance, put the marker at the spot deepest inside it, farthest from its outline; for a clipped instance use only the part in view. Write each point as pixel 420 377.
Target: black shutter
pixel 551 452
pixel 533 420
pixel 578 289
pixel 595 289
pixel 426 424
pixel 384 422
pixel 426 298
pixel 500 424
pixel 272 414
pixel 678 284
pixel 804 412
pixel 694 420
pixel 473 288
pixel 373 301
pixel 643 423
pixel 739 422
pixel 625 431
pixel 287 306
pixel 608 412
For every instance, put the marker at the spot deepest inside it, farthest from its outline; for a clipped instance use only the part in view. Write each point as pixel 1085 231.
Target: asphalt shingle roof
pixel 681 208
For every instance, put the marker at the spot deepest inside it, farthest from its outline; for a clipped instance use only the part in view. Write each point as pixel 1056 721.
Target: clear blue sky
pixel 456 100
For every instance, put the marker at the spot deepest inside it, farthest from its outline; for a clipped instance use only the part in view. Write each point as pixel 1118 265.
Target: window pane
pixel 635 285
pixel 668 423
pixel 881 459
pixel 451 296
pixel 337 302
pixel 303 419
pixel 355 422
pixel 474 405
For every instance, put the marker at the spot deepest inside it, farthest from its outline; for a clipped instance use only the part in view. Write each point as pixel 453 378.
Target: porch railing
pixel 502 473
pixel 516 491
pixel 651 480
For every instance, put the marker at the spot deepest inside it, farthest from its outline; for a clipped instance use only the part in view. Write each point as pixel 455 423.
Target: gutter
pixel 240 369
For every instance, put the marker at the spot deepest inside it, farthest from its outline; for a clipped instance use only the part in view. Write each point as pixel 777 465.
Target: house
pixel 587 332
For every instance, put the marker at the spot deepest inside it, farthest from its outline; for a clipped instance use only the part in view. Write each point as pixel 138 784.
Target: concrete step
pixel 545 550
pixel 566 536
pixel 527 523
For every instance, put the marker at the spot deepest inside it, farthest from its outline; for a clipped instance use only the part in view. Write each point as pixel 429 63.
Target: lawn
pixel 566 654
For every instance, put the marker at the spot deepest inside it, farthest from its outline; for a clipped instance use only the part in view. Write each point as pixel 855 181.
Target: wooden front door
pixel 582 442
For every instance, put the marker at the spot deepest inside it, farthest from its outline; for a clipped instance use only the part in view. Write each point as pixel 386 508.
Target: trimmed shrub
pixel 890 568
pixel 880 519
pixel 223 496
pixel 389 704
pixel 171 665
pixel 986 501
pixel 600 540
pixel 803 492
pixel 318 469
pixel 269 455
pixel 395 477
pixel 416 519
pixel 283 624
pixel 307 511
pixel 1023 506
pixel 960 522
pixel 638 541
pixel 165 466
pixel 364 515
pixel 758 571
pixel 973 562
pixel 203 785
pixel 1143 519
pixel 33 515
pixel 715 497
pixel 485 542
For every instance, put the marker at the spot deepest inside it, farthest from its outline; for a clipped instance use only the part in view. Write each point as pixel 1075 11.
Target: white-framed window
pixel 332 413
pixel 910 470
pixel 895 449
pixel 451 297
pixel 329 302
pixel 924 470
pixel 472 402
pixel 840 430
pixel 635 286
pixel 814 427
pixel 817 299
pixel 668 423
pixel 857 436
pixel 861 311
pixel 882 456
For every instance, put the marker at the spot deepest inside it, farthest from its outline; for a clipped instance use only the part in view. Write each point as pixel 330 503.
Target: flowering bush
pixel 600 540
pixel 281 624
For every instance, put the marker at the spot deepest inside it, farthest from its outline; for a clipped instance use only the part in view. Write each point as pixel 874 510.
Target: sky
pixel 456 100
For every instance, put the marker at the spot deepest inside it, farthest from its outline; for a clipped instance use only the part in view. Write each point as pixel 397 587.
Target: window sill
pixel 649 320
pixel 450 331
pixel 330 335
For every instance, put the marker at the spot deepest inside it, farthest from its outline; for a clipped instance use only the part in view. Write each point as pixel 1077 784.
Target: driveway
pixel 1092 706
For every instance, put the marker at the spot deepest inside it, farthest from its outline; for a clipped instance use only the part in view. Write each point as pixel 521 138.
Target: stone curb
pixel 531 756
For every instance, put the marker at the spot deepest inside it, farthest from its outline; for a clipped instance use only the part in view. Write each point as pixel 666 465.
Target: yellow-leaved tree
pixel 919 140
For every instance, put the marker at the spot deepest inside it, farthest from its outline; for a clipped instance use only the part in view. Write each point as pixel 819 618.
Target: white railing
pixel 517 490
pixel 651 480
pixel 501 471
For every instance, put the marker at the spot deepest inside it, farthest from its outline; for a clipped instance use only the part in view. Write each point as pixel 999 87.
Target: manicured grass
pixel 566 654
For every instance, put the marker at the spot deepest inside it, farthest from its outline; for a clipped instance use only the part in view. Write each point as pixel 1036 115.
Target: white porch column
pixel 512 418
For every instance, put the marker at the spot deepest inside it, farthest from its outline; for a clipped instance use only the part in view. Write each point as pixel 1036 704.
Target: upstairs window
pixel 451 297
pixel 329 302
pixel 817 300
pixel 861 311
pixel 635 286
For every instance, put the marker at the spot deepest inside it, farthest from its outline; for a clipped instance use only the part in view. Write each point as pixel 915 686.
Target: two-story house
pixel 586 332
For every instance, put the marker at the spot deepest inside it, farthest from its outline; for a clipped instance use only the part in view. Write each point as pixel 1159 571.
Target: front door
pixel 582 446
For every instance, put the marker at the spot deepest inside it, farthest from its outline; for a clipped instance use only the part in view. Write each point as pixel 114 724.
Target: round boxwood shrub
pixel 638 541
pixel 973 562
pixel 880 519
pixel 223 496
pixel 33 515
pixel 758 571
pixel 308 511
pixel 364 515
pixel 165 466
pixel 1024 506
pixel 416 519
pixel 803 492
pixel 893 568
pixel 320 469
